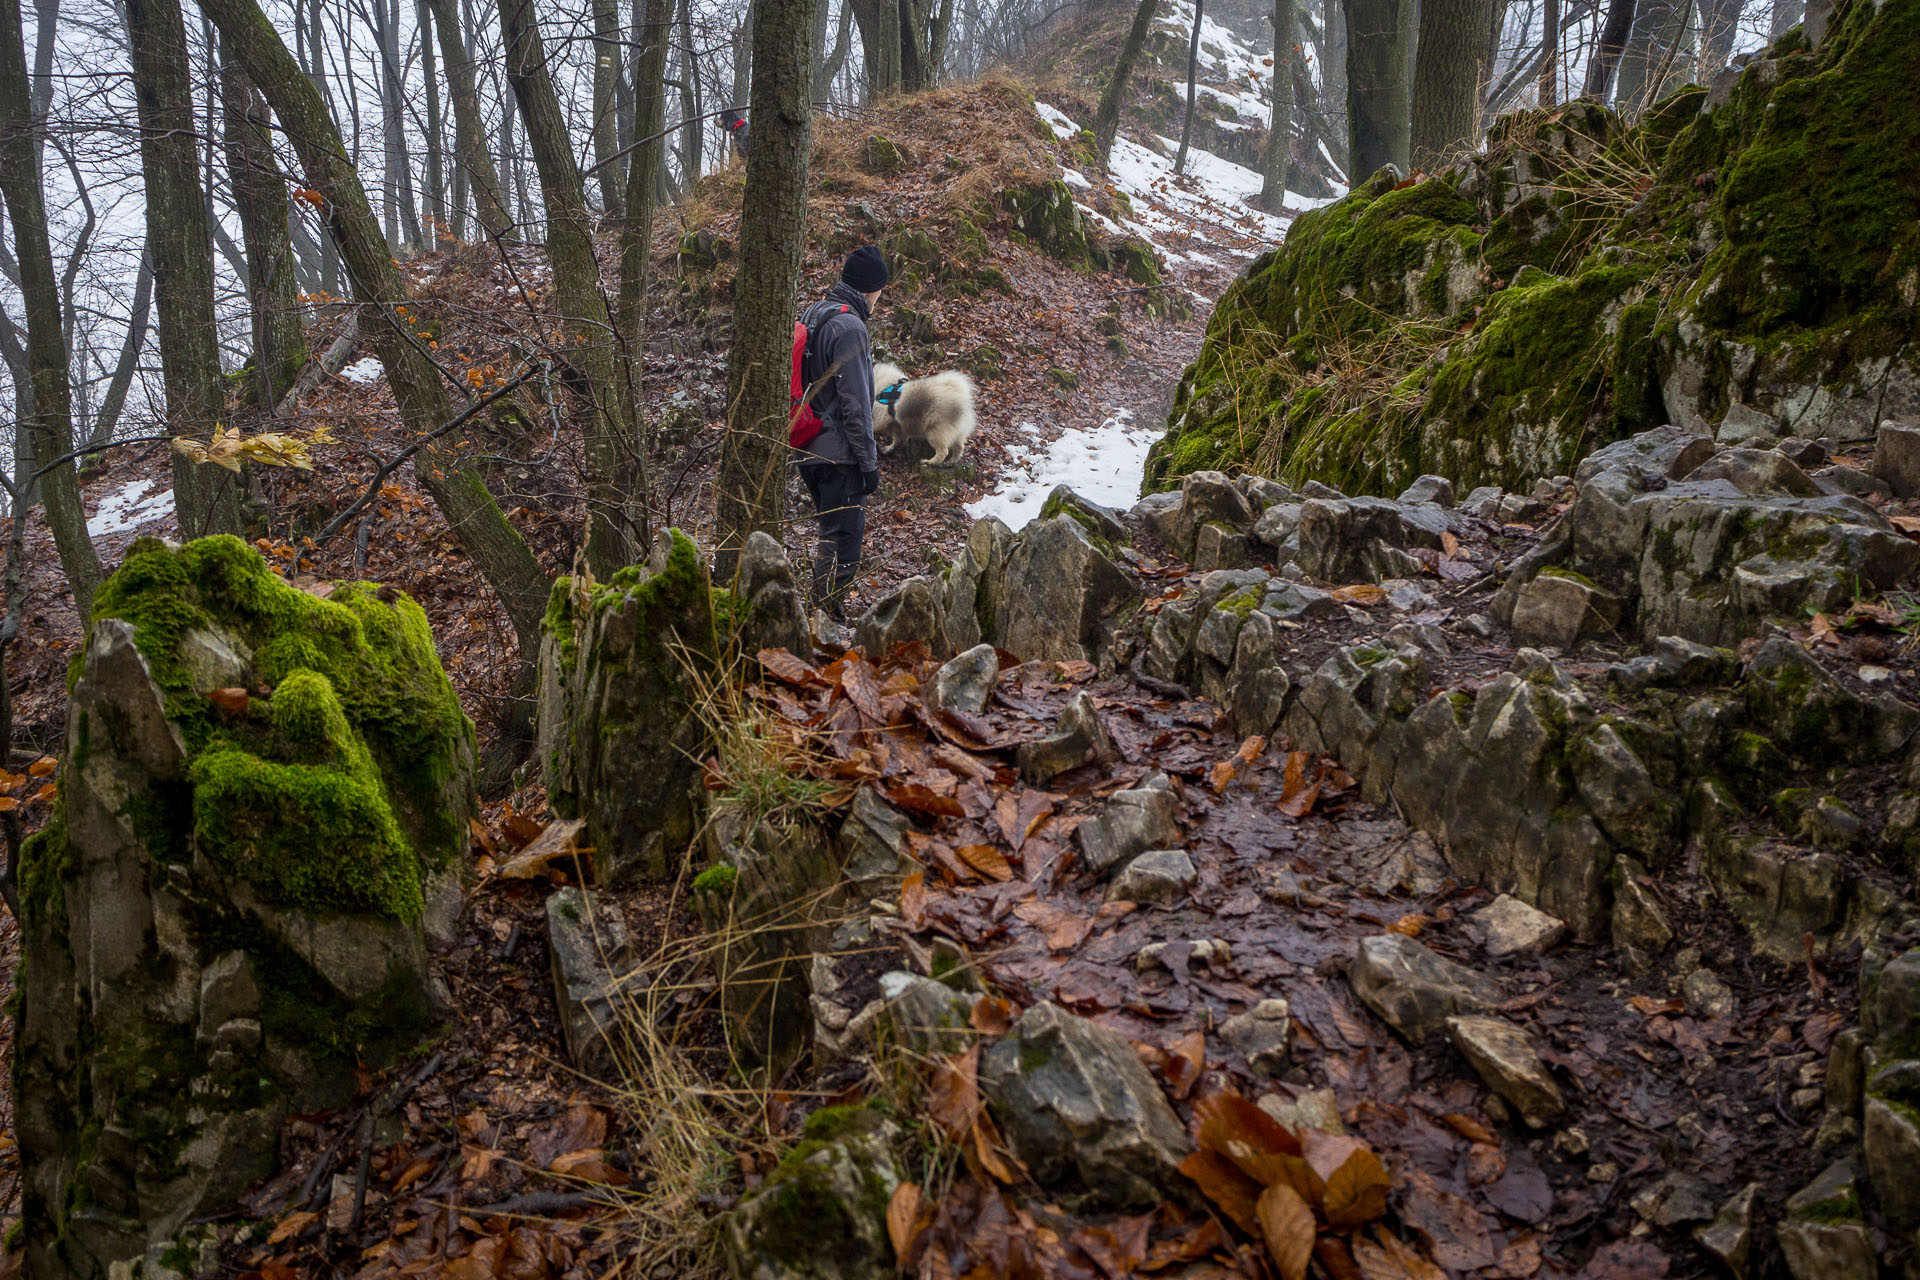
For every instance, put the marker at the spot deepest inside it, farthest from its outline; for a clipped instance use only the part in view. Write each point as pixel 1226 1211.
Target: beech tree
pixel 1455 53
pixel 1278 168
pixel 750 493
pixel 45 349
pixel 1380 37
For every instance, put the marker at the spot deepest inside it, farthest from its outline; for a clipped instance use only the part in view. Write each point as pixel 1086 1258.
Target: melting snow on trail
pixel 366 369
pixel 129 507
pixel 1102 463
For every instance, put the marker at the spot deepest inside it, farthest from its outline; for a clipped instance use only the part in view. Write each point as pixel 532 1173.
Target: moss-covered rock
pixel 620 738
pixel 822 1212
pixel 263 796
pixel 1579 281
pixel 1047 216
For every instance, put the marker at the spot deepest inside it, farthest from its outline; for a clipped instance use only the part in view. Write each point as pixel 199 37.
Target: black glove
pixel 869 481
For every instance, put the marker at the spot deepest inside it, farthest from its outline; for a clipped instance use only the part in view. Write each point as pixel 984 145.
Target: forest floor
pixel 498 1157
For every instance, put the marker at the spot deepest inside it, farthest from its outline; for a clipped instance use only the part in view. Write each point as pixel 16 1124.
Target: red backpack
pixel 805 424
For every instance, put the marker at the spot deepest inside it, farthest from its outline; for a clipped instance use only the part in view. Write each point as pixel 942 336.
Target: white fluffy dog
pixel 937 409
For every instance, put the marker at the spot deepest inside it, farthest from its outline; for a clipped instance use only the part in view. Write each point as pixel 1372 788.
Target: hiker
pixel 734 120
pixel 841 465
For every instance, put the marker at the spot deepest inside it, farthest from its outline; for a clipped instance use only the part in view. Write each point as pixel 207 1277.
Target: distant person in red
pixel 735 121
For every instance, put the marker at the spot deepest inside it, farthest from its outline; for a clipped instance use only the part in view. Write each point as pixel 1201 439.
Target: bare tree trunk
pixel 1278 169
pixel 1719 25
pixel 1452 59
pixel 206 497
pixel 1784 16
pixel 260 196
pixel 585 327
pixel 419 391
pixel 1193 70
pixel 606 104
pixel 1106 120
pixel 688 60
pixel 1550 55
pixel 828 69
pixel 469 133
pixel 1658 27
pixel 130 347
pixel 879 23
pixel 1606 54
pixel 46 353
pixel 1333 69
pixel 752 484
pixel 1379 107
pixel 937 42
pixel 636 247
pixel 436 129
pixel 914 75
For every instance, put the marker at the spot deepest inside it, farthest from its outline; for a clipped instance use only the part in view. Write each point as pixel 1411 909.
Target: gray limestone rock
pixel 1728 1239
pixel 1208 498
pixel 1842 481
pixel 1509 926
pixel 1103 523
pixel 1707 996
pixel 1128 824
pixel 1757 472
pixel 1559 610
pixel 972 595
pixel 1216 546
pixel 1262 493
pixel 1277 523
pixel 1413 990
pixel 965 681
pixel 910 613
pixel 1665 452
pixel 822 1213
pixel 590 953
pixel 1158 876
pixel 1744 424
pixel 1061 596
pixel 1434 489
pixel 1079 739
pixel 1261 1035
pixel 776 609
pixel 873 845
pixel 1640 928
pixel 1351 540
pixel 927 1016
pixel 1823 1237
pixel 1505 1058
pixel 1081 1111
pixel 1160 512
pixel 1891 1139
pixel 1890 1005
pixel 1675 1201
pixel 1896 457
pixel 1311 1109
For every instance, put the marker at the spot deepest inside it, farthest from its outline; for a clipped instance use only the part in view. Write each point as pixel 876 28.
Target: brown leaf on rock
pixel 1226 771
pixel 953 1095
pixel 580 1126
pixel 1361 593
pixel 232 701
pixel 1191 1245
pixel 913 900
pixel 1286 1224
pixel 991 1015
pixel 558 844
pixel 1117 1248
pixel 1253 1141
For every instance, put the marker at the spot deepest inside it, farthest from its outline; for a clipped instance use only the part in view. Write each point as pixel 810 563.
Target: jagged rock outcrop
pixel 232 905
pixel 822 1212
pixel 620 736
pixel 1750 256
pixel 1055 591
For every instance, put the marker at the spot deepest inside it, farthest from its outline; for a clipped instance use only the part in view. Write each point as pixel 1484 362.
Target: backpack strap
pixel 809 359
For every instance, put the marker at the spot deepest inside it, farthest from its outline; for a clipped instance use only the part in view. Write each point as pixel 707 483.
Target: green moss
pixel 856 1119
pixel 717 880
pixel 370 643
pixel 311 830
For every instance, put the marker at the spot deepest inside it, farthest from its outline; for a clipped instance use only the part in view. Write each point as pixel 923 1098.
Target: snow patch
pixel 1103 464
pixel 1074 178
pixel 366 369
pixel 129 507
pixel 1056 120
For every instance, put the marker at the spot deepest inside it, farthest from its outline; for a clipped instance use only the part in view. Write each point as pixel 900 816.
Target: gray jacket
pixel 845 403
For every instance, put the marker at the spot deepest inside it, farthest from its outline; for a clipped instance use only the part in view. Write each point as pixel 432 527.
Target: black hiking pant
pixel 835 490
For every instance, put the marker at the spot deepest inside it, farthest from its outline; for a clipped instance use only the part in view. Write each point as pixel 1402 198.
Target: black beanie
pixel 866 270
